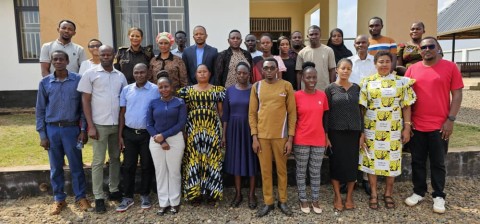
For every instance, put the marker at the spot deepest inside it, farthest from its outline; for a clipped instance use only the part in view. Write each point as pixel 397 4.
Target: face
pixel 202 75
pixel 242 74
pixel 284 46
pixel 93 47
pixel 337 38
pixel 416 31
pixel 59 61
pixel 344 70
pixel 361 44
pixel 180 39
pixel 164 88
pixel 309 78
pixel 106 56
pixel 140 74
pixel 314 36
pixel 266 44
pixel 383 65
pixel 234 40
pixel 269 70
pixel 66 31
pixel 251 43
pixel 164 45
pixel 135 38
pixel 375 27
pixel 199 35
pixel 429 49
pixel 297 39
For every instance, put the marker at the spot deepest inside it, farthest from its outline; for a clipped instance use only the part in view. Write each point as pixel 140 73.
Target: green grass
pixel 20 144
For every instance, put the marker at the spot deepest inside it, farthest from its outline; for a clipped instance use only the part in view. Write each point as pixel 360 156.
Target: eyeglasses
pixel 94 46
pixel 266 68
pixel 429 47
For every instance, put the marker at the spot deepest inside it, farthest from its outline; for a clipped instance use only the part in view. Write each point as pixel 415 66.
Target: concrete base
pixel 17 182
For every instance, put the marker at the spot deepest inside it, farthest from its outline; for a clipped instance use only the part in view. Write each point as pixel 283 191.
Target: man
pixel 58 113
pixel 76 53
pixel 226 70
pixel 433 116
pixel 363 64
pixel 101 87
pixel 200 53
pixel 272 100
pixel 134 138
pixel 321 55
pixel 379 42
pixel 297 44
pixel 251 44
pixel 180 40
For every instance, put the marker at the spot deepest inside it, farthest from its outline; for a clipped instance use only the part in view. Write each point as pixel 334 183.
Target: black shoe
pixel 265 210
pixel 100 206
pixel 236 202
pixel 366 187
pixel 343 189
pixel 284 208
pixel 115 196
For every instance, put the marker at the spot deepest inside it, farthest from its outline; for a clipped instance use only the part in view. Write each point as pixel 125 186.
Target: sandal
pixel 252 202
pixel 236 201
pixel 338 207
pixel 351 207
pixel 389 202
pixel 373 205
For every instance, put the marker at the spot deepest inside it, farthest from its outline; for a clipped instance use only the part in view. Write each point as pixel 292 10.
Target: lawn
pixel 19 141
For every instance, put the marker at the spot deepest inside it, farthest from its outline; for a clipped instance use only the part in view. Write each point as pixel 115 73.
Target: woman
pixel 409 53
pixel 344 133
pixel 266 47
pixel 93 46
pixel 167 62
pixel 289 75
pixel 128 57
pixel 202 162
pixel 385 99
pixel 309 141
pixel 240 160
pixel 336 43
pixel 166 118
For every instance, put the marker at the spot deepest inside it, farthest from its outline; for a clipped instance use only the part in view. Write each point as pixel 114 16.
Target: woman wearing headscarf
pixel 336 43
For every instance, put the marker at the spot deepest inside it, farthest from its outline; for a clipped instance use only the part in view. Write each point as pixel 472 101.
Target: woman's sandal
pixel 337 208
pixel 351 207
pixel 389 202
pixel 373 205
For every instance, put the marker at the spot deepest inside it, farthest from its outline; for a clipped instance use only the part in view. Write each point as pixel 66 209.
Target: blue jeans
pixel 63 141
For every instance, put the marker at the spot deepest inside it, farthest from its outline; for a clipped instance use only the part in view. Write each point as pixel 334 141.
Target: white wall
pixel 13 75
pixel 219 17
pixel 105 31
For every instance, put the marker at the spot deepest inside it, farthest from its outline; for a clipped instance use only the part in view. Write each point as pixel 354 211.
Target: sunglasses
pixel 429 47
pixel 94 46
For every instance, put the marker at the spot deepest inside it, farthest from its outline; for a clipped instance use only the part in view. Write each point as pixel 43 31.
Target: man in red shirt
pixel 433 116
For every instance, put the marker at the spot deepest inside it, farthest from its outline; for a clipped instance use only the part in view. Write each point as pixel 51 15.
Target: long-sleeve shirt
pixel 58 101
pixel 166 117
pixel 272 110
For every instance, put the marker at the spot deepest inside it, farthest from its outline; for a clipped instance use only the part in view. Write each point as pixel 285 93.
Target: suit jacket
pixel 223 61
pixel 189 56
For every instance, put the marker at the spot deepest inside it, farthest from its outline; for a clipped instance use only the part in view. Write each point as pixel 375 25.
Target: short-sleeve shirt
pixel 136 101
pixel 310 110
pixel 76 54
pixel 361 68
pixel 433 85
pixel 105 88
pixel 409 53
pixel 382 44
pixel 324 59
pixel 344 112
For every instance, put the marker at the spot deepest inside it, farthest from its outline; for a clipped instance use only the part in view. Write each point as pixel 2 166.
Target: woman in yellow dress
pixel 386 99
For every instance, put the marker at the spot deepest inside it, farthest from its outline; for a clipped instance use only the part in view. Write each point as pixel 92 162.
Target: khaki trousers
pixel 273 148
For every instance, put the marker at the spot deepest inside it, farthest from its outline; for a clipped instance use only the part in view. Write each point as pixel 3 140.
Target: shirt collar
pixel 99 68
pixel 147 86
pixel 170 57
pixel 357 58
pixel 59 42
pixel 53 78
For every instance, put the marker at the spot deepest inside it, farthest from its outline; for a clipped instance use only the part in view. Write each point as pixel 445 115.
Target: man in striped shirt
pixel 379 42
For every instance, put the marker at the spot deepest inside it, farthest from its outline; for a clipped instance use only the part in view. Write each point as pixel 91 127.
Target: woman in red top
pixel 310 140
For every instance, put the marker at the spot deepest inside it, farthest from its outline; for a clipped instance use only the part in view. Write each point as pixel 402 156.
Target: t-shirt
pixel 324 59
pixel 433 85
pixel 382 44
pixel 76 54
pixel 309 129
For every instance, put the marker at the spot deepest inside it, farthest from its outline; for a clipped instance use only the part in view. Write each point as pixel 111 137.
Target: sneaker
pixel 126 203
pixel 100 206
pixel 439 205
pixel 57 207
pixel 115 196
pixel 413 200
pixel 146 204
pixel 84 205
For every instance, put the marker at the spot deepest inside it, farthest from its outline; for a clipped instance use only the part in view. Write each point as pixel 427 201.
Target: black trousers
pixel 136 143
pixel 429 145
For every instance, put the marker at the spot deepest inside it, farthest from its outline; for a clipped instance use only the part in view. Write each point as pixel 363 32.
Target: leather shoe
pixel 366 187
pixel 265 210
pixel 284 208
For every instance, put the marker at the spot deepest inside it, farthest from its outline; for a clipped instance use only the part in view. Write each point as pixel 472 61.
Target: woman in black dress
pixel 284 48
pixel 336 43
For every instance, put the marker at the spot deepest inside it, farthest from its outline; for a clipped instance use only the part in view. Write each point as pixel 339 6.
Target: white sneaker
pixel 413 200
pixel 439 205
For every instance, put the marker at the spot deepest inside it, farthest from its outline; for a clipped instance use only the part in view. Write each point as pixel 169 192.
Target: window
pixel 28 30
pixel 152 16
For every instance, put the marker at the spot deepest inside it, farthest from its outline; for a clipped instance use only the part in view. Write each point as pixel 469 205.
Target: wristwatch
pixel 451 118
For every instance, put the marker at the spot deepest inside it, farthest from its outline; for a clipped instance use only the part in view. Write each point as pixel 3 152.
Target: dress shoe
pixel 265 210
pixel 366 187
pixel 284 208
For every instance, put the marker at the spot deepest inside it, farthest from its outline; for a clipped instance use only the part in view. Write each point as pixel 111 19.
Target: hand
pixel 447 129
pixel 328 143
pixel 121 145
pixel 406 134
pixel 92 133
pixel 362 143
pixel 85 137
pixel 288 148
pixel 223 143
pixel 45 143
pixel 256 146
pixel 165 146
pixel 82 137
pixel 158 138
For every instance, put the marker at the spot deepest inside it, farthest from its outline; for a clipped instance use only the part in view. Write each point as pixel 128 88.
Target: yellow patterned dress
pixel 202 160
pixel 384 98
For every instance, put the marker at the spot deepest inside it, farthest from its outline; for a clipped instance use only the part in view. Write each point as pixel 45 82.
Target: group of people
pixel 191 114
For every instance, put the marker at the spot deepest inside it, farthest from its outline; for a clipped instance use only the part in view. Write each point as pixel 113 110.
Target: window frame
pixel 17 11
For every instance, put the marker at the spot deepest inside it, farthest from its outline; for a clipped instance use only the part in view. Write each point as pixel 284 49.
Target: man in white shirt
pixel 363 64
pixel 251 44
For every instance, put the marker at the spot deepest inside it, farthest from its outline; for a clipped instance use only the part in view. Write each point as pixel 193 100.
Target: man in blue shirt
pixel 134 138
pixel 58 115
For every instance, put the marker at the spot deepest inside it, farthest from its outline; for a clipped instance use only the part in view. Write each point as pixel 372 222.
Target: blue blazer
pixel 189 56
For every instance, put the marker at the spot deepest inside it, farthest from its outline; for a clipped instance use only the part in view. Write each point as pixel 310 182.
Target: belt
pixel 64 123
pixel 137 131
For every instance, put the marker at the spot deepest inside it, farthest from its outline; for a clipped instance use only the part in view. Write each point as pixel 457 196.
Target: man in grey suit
pixel 200 53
